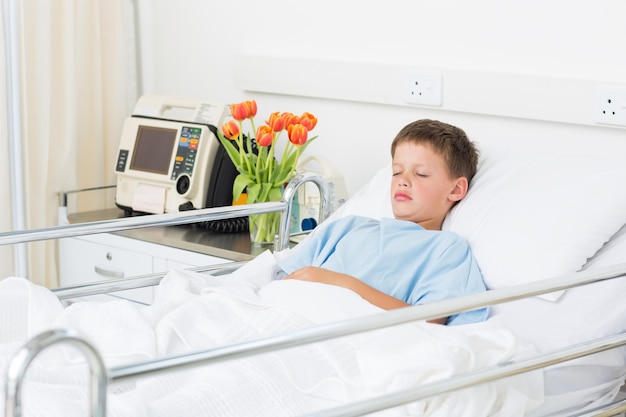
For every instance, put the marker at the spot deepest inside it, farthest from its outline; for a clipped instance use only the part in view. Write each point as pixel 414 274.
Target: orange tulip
pixel 251 107
pixel 308 120
pixel 298 134
pixel 275 122
pixel 290 119
pixel 231 129
pixel 264 135
pixel 239 111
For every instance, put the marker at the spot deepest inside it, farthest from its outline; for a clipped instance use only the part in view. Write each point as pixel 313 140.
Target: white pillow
pixel 528 215
pixel 372 200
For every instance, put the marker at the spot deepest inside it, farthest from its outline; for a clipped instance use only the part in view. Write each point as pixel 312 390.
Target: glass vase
pixel 263 229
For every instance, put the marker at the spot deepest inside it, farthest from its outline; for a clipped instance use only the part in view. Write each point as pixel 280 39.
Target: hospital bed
pixel 550 241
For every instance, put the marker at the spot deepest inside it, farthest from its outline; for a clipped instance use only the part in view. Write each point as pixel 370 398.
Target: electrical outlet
pixel 423 88
pixel 609 106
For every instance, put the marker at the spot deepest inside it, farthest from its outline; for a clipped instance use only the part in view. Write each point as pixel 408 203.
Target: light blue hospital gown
pixel 397 257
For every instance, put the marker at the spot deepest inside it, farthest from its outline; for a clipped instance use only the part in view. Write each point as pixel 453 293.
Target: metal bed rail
pixel 389 318
pixel 480 376
pixel 23 358
pixel 139 281
pixel 612 409
pixel 185 217
pixel 139 222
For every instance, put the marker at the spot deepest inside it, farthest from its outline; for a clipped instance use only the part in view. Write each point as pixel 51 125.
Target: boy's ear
pixel 460 187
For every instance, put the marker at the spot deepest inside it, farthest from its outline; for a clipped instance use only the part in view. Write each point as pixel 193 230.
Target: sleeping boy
pixel 406 260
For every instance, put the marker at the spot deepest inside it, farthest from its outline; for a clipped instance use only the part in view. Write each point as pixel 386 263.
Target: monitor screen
pixel 153 149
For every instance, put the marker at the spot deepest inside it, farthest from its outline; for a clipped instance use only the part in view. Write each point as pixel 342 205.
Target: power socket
pixel 423 88
pixel 609 106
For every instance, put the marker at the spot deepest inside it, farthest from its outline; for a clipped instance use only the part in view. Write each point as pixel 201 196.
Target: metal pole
pixel 138 57
pixel 282 240
pixel 17 367
pixel 116 225
pixel 12 57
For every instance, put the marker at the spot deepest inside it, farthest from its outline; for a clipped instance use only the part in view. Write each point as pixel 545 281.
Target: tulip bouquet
pixel 261 175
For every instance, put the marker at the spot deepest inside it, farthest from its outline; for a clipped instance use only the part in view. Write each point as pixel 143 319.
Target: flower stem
pixel 295 162
pixel 270 157
pixel 242 153
pixel 263 228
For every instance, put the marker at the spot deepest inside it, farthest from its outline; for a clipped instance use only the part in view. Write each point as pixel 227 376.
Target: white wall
pixel 516 74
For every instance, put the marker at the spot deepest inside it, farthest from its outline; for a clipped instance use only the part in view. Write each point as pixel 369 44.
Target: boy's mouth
pixel 400 196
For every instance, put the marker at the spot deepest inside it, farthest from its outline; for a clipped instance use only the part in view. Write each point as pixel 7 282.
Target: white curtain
pixel 77 86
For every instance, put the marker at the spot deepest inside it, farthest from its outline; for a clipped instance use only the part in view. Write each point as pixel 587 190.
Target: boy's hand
pixel 324 276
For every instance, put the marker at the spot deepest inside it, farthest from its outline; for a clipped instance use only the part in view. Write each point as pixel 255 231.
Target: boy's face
pixel 421 188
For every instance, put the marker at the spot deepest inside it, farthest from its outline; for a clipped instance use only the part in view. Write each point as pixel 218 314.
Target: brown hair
pixel 459 153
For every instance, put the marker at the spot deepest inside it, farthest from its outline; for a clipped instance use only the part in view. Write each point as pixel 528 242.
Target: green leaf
pixel 232 152
pixel 292 160
pixel 253 193
pixel 275 194
pixel 240 184
pixel 280 176
pixel 265 190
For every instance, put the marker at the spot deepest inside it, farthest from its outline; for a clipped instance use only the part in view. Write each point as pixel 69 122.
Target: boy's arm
pixel 370 294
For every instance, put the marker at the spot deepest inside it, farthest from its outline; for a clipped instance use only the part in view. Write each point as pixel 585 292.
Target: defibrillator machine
pixel 169 157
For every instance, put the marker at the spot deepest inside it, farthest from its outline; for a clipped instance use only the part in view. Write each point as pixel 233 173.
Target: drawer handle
pixel 108 272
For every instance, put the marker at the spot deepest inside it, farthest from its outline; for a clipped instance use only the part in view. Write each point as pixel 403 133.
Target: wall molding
pixel 559 98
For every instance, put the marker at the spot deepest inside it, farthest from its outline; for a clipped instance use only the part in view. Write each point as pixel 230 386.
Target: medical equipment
pixel 169 157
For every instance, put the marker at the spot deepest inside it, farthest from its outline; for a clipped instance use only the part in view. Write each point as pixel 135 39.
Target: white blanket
pixel 192 311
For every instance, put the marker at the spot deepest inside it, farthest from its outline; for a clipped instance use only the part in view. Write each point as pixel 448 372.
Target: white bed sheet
pixel 193 311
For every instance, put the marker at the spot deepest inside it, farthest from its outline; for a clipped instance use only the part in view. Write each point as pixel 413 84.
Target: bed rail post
pixel 22 359
pixel 292 188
